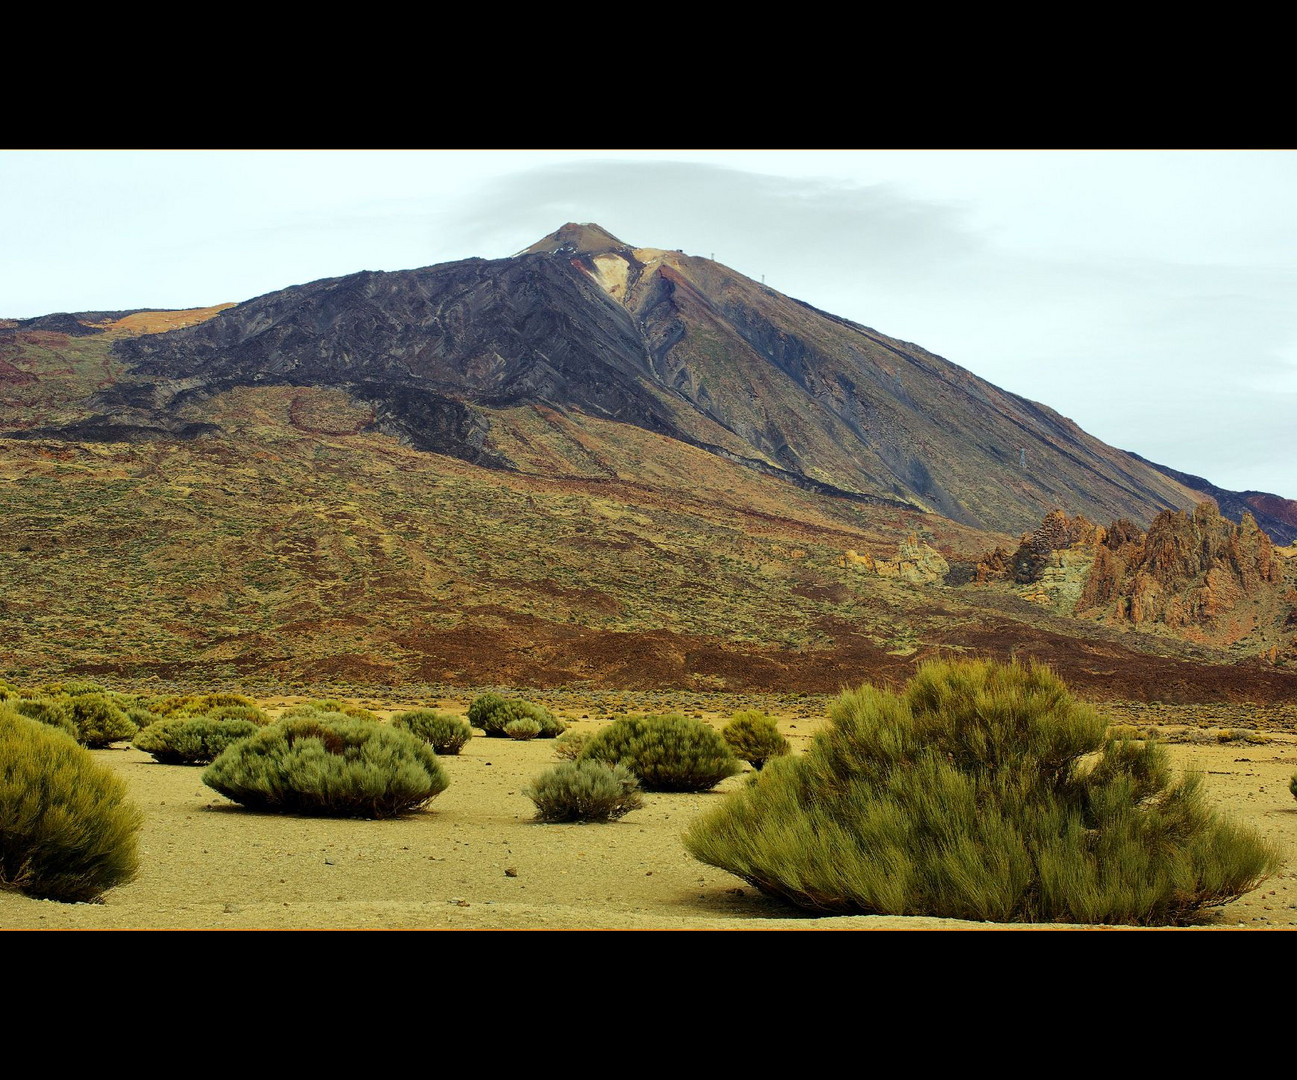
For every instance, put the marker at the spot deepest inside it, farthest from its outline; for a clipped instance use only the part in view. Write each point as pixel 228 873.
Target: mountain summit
pixel 672 343
pixel 587 239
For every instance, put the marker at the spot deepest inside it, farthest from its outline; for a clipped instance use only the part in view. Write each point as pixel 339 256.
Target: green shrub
pixel 754 737
pixel 483 706
pixel 1292 785
pixel 584 791
pixel 224 700
pixel 328 706
pixel 347 709
pixel 240 712
pixel 165 706
pixel 446 734
pixel 141 717
pixel 198 704
pixel 984 792
pixel 99 721
pixel 192 740
pixel 667 753
pixel 305 710
pixel 56 712
pixel 329 764
pixel 569 745
pixel 494 717
pixel 522 728
pixel 66 830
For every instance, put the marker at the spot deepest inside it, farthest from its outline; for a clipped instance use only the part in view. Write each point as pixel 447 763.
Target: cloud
pixel 747 220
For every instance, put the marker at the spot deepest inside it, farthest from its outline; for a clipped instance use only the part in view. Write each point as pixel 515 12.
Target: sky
pixel 1149 296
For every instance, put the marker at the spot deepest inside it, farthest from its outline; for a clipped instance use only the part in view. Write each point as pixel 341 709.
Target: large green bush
pixel 667 752
pixel 493 714
pixel 754 737
pixel 483 706
pixel 584 791
pixel 99 721
pixel 66 829
pixel 54 711
pixel 192 740
pixel 329 764
pixel 446 734
pixel 982 792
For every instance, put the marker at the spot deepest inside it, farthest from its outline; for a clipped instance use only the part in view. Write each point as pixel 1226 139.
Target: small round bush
pixel 446 734
pixel 192 740
pixel 347 709
pixel 223 700
pixel 754 737
pixel 667 753
pixel 329 764
pixel 1292 785
pixel 196 703
pixel 165 706
pixel 494 720
pixel 239 712
pixel 66 829
pixel 141 717
pixel 584 791
pixel 522 728
pixel 569 745
pixel 983 791
pixel 99 721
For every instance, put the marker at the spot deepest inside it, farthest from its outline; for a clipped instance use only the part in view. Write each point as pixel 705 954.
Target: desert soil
pixel 475 859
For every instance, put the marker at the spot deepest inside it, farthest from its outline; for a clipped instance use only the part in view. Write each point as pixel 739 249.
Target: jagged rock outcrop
pixel 1057 532
pixel 1193 568
pixel 915 561
pixel 1038 549
pixel 1196 573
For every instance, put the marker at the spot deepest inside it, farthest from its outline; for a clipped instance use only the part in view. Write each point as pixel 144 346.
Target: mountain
pixel 674 344
pixel 586 464
pixel 1275 514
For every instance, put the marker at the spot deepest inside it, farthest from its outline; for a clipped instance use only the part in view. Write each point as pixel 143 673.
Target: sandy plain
pixel 475 859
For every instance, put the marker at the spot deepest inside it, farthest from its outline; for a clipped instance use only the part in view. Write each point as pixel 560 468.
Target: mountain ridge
pixel 673 343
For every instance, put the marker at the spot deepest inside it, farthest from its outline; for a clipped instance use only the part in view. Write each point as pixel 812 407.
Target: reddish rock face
pixel 1190 572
